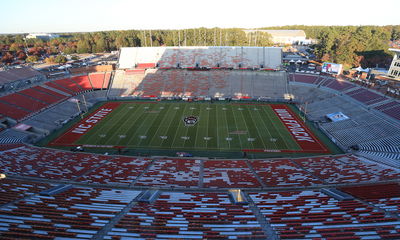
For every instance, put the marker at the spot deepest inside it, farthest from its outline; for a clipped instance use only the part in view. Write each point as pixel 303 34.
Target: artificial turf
pixel 219 127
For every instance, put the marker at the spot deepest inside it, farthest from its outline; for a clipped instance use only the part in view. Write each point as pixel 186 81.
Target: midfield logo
pixel 190 120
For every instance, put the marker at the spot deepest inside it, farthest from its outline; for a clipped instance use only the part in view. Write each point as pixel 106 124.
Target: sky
pixel 33 16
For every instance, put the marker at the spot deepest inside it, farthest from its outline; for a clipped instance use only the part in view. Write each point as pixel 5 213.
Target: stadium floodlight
pixel 2 176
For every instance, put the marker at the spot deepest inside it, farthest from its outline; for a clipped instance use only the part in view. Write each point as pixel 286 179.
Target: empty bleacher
pixel 120 170
pixel 189 215
pixel 347 169
pixel 93 97
pixel 24 102
pixel 192 173
pixel 68 84
pixel 57 115
pixel 338 85
pixel 36 93
pixel 83 81
pixel 304 78
pixel 174 84
pixel 191 57
pixel 172 173
pixel 11 136
pixel 311 214
pixel 365 96
pixel 76 213
pixel 13 111
pixel 365 133
pixel 11 190
pixel 65 108
pixel 227 174
pixel 283 173
pixel 66 91
pixel 307 94
pixel 145 65
pixel 214 83
pixel 388 144
pixel 388 105
pixel 4 147
pixel 391 109
pixel 384 196
pixel 388 158
pixel 192 203
pixel 51 119
pixel 46 163
pixel 364 125
pixel 107 78
pixel 29 102
pixel 26 211
pixel 118 87
pixel 97 80
pixel 51 92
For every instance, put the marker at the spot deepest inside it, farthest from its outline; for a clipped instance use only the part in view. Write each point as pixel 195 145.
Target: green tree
pixel 15 47
pixel 69 50
pixel 121 41
pixel 60 59
pixel 32 59
pixel 100 45
pixel 7 58
pixel 50 59
pixel 51 51
pixel 83 46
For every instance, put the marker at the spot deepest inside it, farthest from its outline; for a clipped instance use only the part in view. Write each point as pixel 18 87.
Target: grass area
pixel 219 130
pixel 219 127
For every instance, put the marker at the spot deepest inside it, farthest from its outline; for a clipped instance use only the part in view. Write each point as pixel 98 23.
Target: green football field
pixel 219 127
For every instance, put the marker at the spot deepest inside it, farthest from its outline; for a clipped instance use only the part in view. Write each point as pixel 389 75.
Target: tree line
pixel 352 45
pixel 349 45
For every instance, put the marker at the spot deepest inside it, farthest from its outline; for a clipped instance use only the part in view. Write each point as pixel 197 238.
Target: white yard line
pixel 265 126
pixel 247 128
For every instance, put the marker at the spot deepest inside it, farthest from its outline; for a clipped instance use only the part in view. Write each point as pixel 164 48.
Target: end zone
pixel 83 126
pixel 299 131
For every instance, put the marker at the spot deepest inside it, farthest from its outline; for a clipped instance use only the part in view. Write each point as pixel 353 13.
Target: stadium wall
pixel 210 57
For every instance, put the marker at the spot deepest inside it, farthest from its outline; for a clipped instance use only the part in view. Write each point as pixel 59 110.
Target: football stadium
pixel 174 137
pixel 205 110
pixel 198 133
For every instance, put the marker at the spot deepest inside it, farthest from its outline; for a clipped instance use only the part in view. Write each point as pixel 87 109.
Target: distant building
pixel 43 36
pixel 284 36
pixel 394 70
